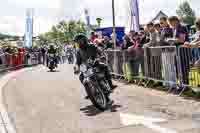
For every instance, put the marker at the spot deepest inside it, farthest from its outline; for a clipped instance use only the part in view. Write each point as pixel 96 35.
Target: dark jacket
pixel 82 55
pixel 52 51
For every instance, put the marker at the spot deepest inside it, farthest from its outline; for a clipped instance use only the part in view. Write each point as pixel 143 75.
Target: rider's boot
pixel 87 97
pixel 111 85
pixel 109 101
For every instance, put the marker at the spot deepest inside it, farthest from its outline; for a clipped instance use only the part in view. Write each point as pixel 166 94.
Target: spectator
pixel 143 38
pixel 147 34
pixel 157 28
pixel 107 43
pixel 131 34
pixel 63 55
pixel 112 40
pixel 43 51
pixel 181 34
pixel 139 54
pixel 2 56
pixel 168 54
pixel 166 31
pixel 93 37
pixel 153 36
pixel 99 43
pixel 195 44
pixel 196 41
pixel 126 42
pixel 180 37
pixel 8 50
pixel 153 56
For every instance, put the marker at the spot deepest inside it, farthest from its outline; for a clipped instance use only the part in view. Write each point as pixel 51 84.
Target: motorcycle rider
pixel 87 51
pixel 70 53
pixel 52 50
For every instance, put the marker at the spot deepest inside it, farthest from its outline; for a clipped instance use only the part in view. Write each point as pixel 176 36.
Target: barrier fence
pixel 18 60
pixel 175 67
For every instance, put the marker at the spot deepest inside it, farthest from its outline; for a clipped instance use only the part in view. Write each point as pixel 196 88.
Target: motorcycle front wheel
pixel 97 96
pixel 51 67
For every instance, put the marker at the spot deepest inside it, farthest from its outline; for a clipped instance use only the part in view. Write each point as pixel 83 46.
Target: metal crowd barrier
pixel 18 60
pixel 173 66
pixel 116 69
pixel 34 58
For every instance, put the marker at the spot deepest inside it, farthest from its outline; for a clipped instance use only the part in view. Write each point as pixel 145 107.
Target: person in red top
pixel 20 55
pixel 93 37
pixel 135 53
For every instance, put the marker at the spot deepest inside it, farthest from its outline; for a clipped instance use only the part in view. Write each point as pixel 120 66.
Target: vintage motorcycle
pixel 96 86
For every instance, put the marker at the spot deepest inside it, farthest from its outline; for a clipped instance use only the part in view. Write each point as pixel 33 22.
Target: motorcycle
pixel 52 62
pixel 96 86
pixel 70 58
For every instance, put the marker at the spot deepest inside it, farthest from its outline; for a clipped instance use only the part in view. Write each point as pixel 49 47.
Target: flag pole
pixel 114 26
pixel 114 36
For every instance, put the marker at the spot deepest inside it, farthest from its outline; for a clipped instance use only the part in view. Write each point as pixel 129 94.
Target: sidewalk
pixel 149 102
pixel 173 105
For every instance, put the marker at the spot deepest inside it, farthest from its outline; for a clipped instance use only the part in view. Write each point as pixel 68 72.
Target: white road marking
pixel 131 119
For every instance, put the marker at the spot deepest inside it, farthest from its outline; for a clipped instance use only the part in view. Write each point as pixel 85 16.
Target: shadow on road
pixel 53 71
pixel 192 98
pixel 115 107
pixel 92 111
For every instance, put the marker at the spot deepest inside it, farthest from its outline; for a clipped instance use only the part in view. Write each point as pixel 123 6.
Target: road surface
pixel 39 101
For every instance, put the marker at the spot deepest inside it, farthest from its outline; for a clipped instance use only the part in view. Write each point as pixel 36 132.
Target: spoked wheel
pixel 97 96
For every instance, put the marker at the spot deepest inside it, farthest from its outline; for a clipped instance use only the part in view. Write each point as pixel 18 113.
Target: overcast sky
pixel 49 12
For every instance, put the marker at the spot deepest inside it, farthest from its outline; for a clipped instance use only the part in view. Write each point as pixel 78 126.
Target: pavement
pixel 39 101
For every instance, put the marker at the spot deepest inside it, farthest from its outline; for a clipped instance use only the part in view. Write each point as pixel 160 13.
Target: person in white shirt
pixel 196 41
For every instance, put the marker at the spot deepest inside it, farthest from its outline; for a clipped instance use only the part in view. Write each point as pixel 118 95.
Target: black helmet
pixel 81 40
pixel 51 46
pixel 80 37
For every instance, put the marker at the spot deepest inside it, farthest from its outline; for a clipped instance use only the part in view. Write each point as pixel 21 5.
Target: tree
pixel 64 32
pixel 8 37
pixel 186 13
pixel 93 27
pixel 99 20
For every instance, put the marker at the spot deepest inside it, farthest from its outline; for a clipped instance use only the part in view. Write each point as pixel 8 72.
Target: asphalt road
pixel 39 101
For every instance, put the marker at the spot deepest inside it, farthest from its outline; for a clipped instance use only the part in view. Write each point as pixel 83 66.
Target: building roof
pixel 158 16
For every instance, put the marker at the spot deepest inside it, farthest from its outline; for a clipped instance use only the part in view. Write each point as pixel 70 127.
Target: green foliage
pixel 9 37
pixel 63 32
pixel 186 13
pixel 93 27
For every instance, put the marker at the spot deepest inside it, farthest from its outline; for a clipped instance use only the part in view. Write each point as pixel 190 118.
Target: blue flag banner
pixel 29 29
pixel 120 32
pixel 87 17
pixel 134 8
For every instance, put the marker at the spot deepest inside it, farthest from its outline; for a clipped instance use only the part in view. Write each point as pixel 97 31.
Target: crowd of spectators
pixel 11 55
pixel 103 42
pixel 168 32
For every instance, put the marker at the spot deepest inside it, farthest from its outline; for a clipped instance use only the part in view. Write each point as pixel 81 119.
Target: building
pixel 160 14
